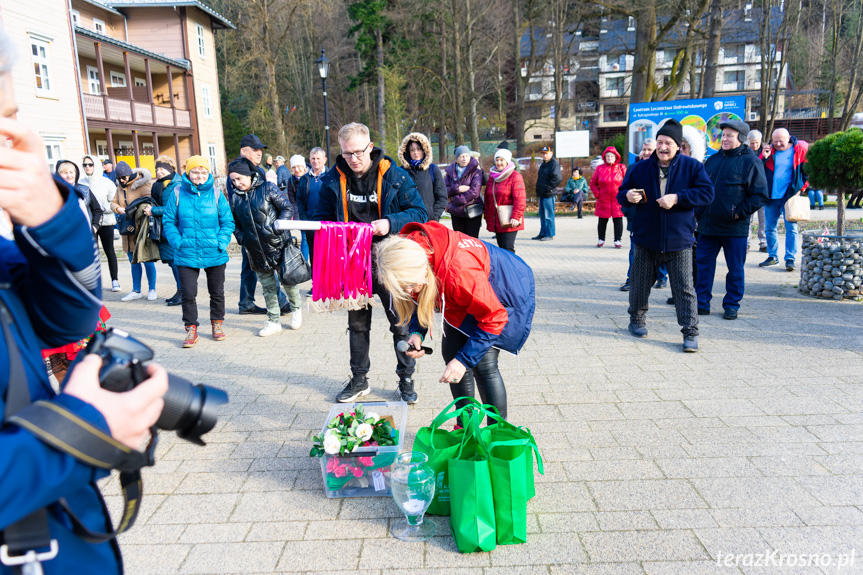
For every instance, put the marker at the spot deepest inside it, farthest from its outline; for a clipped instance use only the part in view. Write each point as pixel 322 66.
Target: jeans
pixel 485 375
pixel 734 249
pixel 467 226
pixel 506 240
pixel 546 217
pixel 270 287
pixel 816 197
pixel 248 283
pixel 106 236
pixel 136 274
pixel 772 211
pixel 304 247
pixel 645 265
pixel 661 275
pixel 215 286
pixel 359 328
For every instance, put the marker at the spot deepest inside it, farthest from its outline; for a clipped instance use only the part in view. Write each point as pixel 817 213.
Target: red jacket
pixel 605 183
pixel 508 192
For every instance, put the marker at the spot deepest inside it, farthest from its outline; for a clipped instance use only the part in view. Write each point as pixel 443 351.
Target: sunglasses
pixel 87 165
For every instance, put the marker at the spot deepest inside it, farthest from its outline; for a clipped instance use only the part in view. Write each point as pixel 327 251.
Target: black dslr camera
pixel 189 409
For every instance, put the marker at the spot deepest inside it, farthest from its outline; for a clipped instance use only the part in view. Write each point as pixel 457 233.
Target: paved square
pixel 657 462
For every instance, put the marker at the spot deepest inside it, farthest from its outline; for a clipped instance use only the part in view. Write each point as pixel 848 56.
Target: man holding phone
pixel 665 189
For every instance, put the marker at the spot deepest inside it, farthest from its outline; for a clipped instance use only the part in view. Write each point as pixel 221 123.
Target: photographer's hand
pixel 129 415
pixel 27 190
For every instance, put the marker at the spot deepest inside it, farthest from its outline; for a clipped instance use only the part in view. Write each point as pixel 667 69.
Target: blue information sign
pixel 705 115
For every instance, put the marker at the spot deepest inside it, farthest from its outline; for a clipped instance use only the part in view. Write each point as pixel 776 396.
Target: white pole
pixel 306 226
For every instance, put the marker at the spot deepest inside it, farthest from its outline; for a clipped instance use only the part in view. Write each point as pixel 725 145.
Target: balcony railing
pixel 121 111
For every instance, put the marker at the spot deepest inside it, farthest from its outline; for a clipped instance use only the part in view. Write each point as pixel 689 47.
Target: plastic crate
pixel 375 480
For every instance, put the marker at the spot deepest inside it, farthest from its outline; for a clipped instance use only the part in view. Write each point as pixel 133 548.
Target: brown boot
pixel 218 334
pixel 191 336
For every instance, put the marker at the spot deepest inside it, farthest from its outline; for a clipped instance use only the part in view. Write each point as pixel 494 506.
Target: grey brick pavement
pixel 656 461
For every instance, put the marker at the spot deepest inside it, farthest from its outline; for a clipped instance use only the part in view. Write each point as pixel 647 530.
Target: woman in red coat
pixel 604 184
pixel 505 187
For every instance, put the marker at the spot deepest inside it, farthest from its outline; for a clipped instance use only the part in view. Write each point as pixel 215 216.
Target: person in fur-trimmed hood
pixel 131 185
pixel 415 154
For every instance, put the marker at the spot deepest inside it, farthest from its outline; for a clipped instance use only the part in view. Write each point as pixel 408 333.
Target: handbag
pixel 293 269
pixel 797 208
pixel 154 228
pixel 504 213
pixel 474 210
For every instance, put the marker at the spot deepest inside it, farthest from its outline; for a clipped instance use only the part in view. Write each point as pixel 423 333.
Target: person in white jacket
pixel 104 191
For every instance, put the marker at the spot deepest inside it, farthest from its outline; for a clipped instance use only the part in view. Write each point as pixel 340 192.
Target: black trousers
pixel 485 376
pixel 506 240
pixel 645 264
pixel 468 226
pixel 189 290
pixel 603 225
pixel 359 328
pixel 310 241
pixel 106 236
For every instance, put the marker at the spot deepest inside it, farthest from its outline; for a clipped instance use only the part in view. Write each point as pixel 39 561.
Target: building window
pixel 747 13
pixel 140 83
pixel 614 86
pixel 534 89
pixel 41 66
pixel 202 48
pixel 76 17
pixel 211 152
pixel 93 82
pixel 54 151
pixel 205 101
pixel 630 24
pixel 614 113
pixel 102 149
pixel 735 80
pixel 118 80
pixel 99 25
pixel 734 53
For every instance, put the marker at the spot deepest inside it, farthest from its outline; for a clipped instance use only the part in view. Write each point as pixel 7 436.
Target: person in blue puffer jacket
pixel 198 224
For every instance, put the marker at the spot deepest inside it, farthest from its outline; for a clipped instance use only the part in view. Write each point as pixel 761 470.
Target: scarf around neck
pixel 501 176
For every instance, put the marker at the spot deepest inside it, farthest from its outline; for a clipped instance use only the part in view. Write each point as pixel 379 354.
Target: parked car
pixel 597 161
pixel 523 163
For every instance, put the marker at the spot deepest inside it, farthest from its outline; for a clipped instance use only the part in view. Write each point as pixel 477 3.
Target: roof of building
pixel 179 63
pixel 103 6
pixel 220 20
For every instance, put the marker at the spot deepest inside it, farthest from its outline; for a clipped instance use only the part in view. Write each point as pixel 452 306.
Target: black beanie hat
pixel 503 145
pixel 241 166
pixel 122 169
pixel 672 129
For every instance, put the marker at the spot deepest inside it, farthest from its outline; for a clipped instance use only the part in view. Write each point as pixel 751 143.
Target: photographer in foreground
pixel 50 295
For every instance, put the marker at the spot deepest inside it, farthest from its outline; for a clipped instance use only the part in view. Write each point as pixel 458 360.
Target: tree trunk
pixel 714 35
pixel 471 76
pixel 459 83
pixel 558 22
pixel 840 212
pixel 443 115
pixel 381 120
pixel 644 64
pixel 518 86
pixel 854 91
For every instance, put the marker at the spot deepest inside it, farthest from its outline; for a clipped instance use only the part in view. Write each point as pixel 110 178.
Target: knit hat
pixel 672 129
pixel 197 162
pixel 297 160
pixel 122 170
pixel 241 166
pixel 461 150
pixel 503 153
pixel 503 145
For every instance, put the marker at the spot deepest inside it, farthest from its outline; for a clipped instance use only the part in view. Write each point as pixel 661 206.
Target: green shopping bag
pixel 472 511
pixel 441 446
pixel 511 465
pixel 505 431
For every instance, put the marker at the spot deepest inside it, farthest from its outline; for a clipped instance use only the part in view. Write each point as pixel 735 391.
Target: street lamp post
pixel 324 70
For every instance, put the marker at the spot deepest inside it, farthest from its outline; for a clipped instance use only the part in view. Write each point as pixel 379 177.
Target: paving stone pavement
pixel 656 462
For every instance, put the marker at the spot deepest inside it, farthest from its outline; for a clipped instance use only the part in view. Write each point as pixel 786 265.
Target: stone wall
pixel 832 265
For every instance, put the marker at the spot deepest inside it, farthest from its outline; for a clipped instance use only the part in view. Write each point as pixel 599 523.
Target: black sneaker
pixel 730 313
pixel 670 301
pixel 637 330
pixel 406 390
pixel 789 265
pixel 690 344
pixel 537 237
pixel 625 287
pixel 703 311
pixel 254 310
pixel 356 387
pixel 175 299
pixel 768 262
pixel 660 283
pixel 286 309
pixel 763 249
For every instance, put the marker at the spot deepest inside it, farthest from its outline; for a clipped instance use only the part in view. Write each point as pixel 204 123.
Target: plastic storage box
pixel 375 479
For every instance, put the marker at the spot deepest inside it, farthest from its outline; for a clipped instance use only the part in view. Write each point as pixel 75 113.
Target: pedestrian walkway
pixel 656 462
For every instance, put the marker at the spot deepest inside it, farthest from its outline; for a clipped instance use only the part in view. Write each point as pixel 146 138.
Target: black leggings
pixel 486 373
pixel 618 228
pixel 469 226
pixel 106 236
pixel 506 240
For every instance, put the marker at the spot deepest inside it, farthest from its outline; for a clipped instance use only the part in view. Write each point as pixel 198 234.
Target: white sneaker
pixel 151 295
pixel 132 295
pixel 115 285
pixel 296 319
pixel 270 328
pixel 600 243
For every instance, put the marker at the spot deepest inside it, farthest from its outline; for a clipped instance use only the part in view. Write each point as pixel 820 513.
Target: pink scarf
pixel 501 176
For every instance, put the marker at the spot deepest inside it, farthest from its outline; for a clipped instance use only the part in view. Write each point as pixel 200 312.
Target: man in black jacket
pixel 547 180
pixel 740 189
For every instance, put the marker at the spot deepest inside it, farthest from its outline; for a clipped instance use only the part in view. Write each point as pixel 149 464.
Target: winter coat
pixel 291 193
pixel 103 189
pixel 488 293
pixel 548 177
pixel 510 191
pixel 146 250
pixel 654 227
pixel 604 184
pixel 198 224
pixel 51 287
pixel 397 196
pixel 427 176
pixel 799 179
pixel 574 189
pixel 125 195
pixel 740 188
pixel 255 212
pixel 161 191
pixel 471 177
pixel 305 202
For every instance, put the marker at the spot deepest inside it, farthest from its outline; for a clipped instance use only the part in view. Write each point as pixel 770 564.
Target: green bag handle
pixel 520 442
pixel 446 415
pixel 471 431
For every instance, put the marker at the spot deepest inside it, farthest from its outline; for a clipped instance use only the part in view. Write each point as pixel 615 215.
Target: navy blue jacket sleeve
pixel 410 206
pixel 440 195
pixel 699 191
pixel 325 211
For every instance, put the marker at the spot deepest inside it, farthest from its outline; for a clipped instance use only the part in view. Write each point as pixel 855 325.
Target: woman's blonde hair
pixel 400 263
pixel 163 159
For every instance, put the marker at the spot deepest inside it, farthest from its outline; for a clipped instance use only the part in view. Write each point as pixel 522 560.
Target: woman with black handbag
pixel 256 205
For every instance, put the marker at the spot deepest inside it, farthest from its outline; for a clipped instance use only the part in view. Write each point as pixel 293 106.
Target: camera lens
pixel 190 410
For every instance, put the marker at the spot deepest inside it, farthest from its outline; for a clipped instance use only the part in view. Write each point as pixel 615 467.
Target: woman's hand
pixel 514 223
pixel 454 372
pixel 121 210
pixel 463 188
pixel 415 341
pixel 148 210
